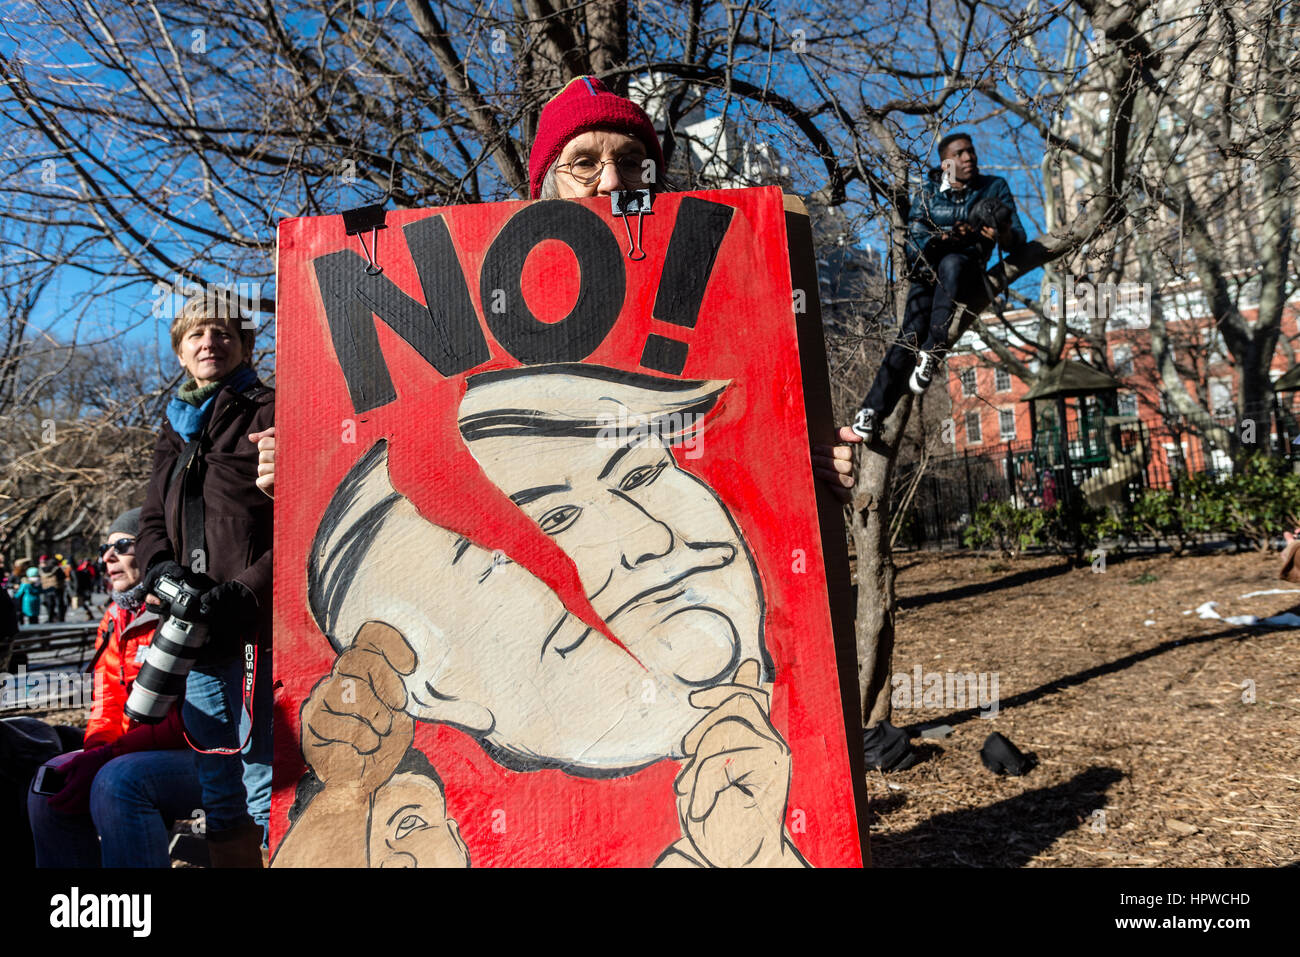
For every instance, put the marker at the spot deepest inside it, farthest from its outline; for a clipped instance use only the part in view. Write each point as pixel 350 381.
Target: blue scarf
pixel 188 420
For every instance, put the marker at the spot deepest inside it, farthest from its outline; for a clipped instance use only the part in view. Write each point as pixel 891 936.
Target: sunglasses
pixel 123 546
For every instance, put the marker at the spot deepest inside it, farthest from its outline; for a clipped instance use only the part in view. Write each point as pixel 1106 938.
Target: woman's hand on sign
pixel 833 464
pixel 355 729
pixel 265 441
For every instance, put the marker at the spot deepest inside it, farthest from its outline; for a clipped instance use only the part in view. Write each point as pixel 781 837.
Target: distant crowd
pixel 53 584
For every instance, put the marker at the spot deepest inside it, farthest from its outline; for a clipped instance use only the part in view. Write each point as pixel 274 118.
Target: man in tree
pixel 956 218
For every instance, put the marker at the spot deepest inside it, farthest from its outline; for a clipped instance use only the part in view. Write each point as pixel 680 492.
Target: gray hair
pixel 549 189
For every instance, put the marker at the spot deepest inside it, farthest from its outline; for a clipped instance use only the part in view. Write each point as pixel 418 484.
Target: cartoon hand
pixel 732 793
pixel 265 459
pixel 355 728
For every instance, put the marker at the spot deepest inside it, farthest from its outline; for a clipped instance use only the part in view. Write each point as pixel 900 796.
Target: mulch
pixel 1150 750
pixel 1149 753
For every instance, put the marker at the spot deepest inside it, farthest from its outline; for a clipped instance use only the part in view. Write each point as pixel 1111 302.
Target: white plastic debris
pixel 1272 591
pixel 1285 620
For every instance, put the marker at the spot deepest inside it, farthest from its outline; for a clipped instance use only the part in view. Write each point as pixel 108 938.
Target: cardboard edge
pixel 822 430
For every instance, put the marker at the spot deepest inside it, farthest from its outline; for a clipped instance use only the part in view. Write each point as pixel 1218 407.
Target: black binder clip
pixel 357 221
pixel 626 202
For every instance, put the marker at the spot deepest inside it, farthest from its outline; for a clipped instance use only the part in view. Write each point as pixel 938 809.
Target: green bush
pixel 1259 502
pixel 1005 527
pixel 1158 514
pixel 1255 505
pixel 1059 529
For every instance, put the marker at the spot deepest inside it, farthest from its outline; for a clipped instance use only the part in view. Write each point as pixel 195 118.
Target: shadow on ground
pixel 982 588
pixel 1079 677
pixel 1009 833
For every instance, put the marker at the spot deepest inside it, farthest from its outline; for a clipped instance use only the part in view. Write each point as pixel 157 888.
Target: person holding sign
pixel 592 142
pixel 677 667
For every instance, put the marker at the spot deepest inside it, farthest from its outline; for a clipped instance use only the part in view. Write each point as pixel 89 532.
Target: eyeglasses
pixel 123 546
pixel 631 168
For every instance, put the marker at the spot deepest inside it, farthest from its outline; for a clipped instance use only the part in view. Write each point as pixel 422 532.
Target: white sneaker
pixel 923 373
pixel 864 424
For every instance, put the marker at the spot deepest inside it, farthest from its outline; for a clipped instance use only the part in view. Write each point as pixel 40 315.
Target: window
pixel 1128 404
pixel 973 436
pixel 1122 358
pixel 1007 425
pixel 1174 459
pixel 1001 380
pixel 968 382
pixel 1221 403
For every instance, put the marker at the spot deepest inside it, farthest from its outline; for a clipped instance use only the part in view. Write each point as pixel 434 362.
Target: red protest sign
pixel 549 575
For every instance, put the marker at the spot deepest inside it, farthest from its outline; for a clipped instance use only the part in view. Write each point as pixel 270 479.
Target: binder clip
pixel 624 203
pixel 357 221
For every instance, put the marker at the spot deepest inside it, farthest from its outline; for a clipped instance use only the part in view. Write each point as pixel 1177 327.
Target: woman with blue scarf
pixel 205 522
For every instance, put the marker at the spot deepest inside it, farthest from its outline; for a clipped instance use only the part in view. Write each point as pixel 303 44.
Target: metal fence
pixel 941 494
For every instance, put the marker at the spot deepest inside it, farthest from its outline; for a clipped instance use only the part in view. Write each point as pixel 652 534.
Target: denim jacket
pixel 934 212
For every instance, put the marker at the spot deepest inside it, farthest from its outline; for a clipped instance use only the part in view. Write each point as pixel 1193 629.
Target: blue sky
pixel 126 312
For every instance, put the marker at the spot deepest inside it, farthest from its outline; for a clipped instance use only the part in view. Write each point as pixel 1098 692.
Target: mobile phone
pixel 49 780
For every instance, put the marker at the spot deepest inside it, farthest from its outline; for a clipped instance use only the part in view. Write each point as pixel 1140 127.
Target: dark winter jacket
pixel 237 514
pixel 935 212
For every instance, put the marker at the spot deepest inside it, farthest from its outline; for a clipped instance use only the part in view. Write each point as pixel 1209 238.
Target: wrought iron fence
pixel 1032 474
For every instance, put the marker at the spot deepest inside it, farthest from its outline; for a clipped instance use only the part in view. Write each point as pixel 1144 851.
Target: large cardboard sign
pixel 550 582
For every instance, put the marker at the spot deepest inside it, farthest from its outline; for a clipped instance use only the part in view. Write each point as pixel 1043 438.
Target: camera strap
pixel 190 466
pixel 250 682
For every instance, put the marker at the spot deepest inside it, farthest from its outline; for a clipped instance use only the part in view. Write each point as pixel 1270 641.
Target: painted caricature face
pixel 659 556
pixel 409 826
pixel 498 655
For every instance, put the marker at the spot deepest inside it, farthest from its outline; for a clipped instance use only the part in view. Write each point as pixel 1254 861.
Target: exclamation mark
pixel 692 251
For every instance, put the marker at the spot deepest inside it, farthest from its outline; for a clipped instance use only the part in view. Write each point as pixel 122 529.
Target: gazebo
pixel 1097 395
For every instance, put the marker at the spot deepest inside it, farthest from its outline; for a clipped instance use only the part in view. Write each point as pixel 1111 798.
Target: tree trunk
pixel 872 510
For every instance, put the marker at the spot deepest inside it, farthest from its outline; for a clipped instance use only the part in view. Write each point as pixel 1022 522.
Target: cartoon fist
pixel 355 728
pixel 732 793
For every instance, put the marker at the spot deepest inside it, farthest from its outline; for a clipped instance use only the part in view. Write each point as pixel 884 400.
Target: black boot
pixel 236 847
pixel 886 748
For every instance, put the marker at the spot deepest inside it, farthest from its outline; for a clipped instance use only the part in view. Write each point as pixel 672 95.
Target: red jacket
pixel 120 646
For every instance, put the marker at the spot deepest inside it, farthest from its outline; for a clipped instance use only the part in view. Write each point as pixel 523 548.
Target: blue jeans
pixel 928 314
pixel 133 802
pixel 235 786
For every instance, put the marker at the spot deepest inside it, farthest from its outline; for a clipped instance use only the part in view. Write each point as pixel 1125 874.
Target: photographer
pixel 956 219
pixel 118 796
pixel 205 524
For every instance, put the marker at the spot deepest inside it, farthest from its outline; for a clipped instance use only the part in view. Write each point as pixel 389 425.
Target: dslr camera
pixel 989 212
pixel 176 645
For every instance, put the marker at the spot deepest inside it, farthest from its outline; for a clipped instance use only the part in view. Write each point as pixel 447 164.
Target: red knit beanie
pixel 586 104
